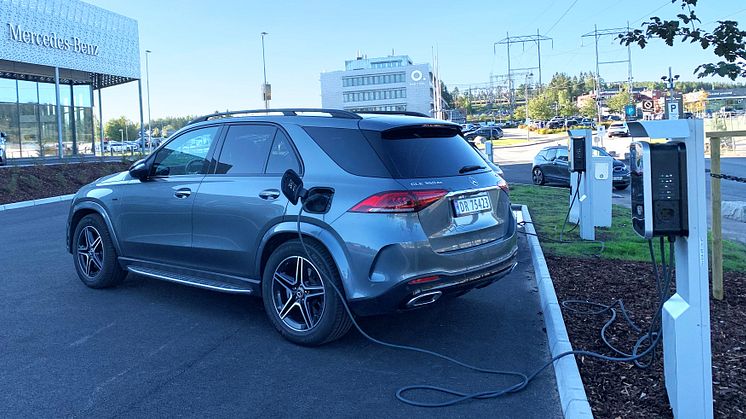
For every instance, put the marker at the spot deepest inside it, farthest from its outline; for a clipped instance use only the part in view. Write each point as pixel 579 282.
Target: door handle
pixel 269 194
pixel 183 193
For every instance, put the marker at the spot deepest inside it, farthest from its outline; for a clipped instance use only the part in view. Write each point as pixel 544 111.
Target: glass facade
pixel 373 79
pixel 28 116
pixel 386 64
pixel 396 108
pixel 366 95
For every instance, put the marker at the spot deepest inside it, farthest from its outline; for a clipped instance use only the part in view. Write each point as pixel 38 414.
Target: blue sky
pixel 207 55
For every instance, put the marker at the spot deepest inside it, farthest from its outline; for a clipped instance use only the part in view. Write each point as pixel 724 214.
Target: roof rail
pixel 336 113
pixel 406 113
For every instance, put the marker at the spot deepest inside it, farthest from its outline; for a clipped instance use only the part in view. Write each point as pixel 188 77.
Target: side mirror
pixel 292 186
pixel 140 170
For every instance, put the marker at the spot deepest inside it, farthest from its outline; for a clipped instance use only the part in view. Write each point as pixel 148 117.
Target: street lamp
pixel 147 84
pixel 670 79
pixel 265 87
pixel 528 128
pixel 121 133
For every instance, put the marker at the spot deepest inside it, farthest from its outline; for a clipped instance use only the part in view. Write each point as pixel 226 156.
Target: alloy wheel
pixel 538 176
pixel 90 251
pixel 298 294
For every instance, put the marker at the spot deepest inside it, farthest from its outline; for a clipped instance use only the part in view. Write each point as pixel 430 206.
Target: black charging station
pixel 577 154
pixel 658 189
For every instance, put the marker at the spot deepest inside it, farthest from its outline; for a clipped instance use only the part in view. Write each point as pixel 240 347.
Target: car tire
pixel 537 176
pixel 304 308
pixel 96 259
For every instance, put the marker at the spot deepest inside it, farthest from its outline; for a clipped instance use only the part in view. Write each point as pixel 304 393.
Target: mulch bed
pixel 34 182
pixel 621 390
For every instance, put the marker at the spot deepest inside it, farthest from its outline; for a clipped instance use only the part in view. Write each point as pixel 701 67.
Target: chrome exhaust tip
pixel 424 299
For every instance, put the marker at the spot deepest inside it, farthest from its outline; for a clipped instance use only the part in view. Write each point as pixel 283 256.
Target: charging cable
pixel 524 379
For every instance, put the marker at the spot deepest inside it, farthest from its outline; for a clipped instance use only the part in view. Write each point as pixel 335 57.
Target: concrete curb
pixel 734 210
pixel 36 202
pixel 569 385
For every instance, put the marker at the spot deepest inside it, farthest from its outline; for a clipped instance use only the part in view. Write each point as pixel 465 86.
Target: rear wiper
pixel 467 169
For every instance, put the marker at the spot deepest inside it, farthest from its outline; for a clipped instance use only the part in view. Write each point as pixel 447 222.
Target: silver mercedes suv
pixel 412 213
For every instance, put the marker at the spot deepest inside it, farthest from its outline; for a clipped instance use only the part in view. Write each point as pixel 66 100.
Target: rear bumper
pixel 396 298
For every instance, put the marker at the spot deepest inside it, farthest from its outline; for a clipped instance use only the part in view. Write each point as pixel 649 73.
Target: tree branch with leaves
pixel 727 41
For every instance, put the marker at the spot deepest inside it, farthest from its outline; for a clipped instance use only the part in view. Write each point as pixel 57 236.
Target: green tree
pixel 541 107
pixel 617 102
pixel 726 40
pixel 519 114
pixel 129 129
pixel 589 109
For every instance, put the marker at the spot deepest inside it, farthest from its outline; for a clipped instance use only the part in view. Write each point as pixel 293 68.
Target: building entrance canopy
pixel 55 54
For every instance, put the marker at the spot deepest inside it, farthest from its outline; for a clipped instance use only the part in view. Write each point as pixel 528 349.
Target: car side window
pixel 562 154
pixel 186 154
pixel 282 157
pixel 549 154
pixel 245 149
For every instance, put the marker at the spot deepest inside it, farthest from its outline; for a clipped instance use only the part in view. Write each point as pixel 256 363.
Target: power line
pixel 647 15
pixel 561 17
pixel 523 39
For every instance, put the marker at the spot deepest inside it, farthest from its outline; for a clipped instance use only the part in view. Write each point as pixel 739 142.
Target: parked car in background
pixel 551 166
pixel 3 155
pixel 726 111
pixel 489 133
pixel 618 129
pixel 468 127
pixel 120 146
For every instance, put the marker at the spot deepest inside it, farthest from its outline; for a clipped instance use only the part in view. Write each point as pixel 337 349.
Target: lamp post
pixel 147 87
pixel 670 79
pixel 121 133
pixel 264 67
pixel 528 128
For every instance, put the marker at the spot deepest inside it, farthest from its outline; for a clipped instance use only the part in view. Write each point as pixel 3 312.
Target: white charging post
pixel 687 357
pixel 592 207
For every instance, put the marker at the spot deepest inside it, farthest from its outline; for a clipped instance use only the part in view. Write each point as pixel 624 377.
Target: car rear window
pixel 349 149
pixel 414 152
pixel 402 153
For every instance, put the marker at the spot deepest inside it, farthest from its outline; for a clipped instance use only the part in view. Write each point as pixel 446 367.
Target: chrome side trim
pixel 189 283
pixel 470 191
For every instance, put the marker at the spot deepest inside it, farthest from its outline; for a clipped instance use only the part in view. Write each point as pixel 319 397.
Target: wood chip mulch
pixel 622 390
pixel 42 181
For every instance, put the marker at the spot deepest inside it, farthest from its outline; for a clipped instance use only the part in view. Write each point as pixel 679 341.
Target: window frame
pixel 209 157
pixel 224 134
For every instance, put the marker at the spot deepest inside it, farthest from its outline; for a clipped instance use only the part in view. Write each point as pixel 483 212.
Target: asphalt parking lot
pixel 153 349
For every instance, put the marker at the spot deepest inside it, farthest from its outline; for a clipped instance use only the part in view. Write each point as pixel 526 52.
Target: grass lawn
pixel 548 207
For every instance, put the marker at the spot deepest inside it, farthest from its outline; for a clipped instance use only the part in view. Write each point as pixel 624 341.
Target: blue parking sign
pixel 630 110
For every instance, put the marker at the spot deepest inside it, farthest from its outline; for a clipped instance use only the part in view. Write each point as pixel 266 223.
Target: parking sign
pixel 674 109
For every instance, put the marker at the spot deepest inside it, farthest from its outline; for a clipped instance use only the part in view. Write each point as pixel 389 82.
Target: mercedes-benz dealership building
pixel 55 55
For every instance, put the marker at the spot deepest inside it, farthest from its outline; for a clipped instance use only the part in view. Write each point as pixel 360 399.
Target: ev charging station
pixel 668 200
pixel 590 200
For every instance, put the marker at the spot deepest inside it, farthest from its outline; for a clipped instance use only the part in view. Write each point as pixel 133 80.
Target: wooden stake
pixel 717 225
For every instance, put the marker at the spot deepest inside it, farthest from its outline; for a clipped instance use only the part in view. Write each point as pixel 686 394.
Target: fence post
pixel 717 226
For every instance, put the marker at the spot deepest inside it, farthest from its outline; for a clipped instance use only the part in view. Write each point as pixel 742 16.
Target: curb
pixel 36 202
pixel 569 385
pixel 734 210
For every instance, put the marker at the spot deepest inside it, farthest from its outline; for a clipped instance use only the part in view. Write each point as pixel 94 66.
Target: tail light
pixel 399 201
pixel 423 280
pixel 502 184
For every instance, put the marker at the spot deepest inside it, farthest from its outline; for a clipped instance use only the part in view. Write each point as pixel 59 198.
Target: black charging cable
pixel 458 396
